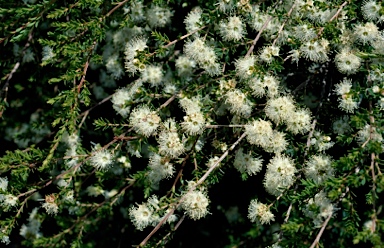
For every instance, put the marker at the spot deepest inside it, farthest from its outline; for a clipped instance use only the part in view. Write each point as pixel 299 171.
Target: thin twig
pixel 282 26
pixel 250 50
pixel 86 65
pixel 316 241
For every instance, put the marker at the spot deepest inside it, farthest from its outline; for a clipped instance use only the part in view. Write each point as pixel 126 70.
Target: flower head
pixel 101 160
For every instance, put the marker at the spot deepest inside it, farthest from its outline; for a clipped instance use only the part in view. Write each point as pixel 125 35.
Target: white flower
pixel 101 160
pixel 304 33
pixel 47 53
pixel 371 10
pixel 233 29
pixel 50 205
pixel 144 121
pixel 344 87
pixel 194 123
pixel 347 62
pixel 245 66
pixel 267 53
pixel 195 204
pixel 8 200
pixel 141 216
pixel 190 105
pixel 299 121
pixel 368 133
pixel 238 102
pixel 204 55
pixel 323 208
pixel 5 240
pixel 193 20
pixel 280 109
pixel 366 33
pixel 158 16
pixel 153 75
pixel 3 183
pixel 280 174
pixel 169 141
pixel 185 66
pixel 318 168
pixel 348 104
pixel 160 168
pixel 261 212
pixel 246 163
pixel 315 51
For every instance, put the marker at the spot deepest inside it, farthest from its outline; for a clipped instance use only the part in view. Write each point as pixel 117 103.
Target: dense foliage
pixel 186 123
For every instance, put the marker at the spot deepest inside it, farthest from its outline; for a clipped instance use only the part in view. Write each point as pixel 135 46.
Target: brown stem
pixel 316 241
pixel 250 50
pixel 282 26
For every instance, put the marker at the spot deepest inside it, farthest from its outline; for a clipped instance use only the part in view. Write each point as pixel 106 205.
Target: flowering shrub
pixel 177 123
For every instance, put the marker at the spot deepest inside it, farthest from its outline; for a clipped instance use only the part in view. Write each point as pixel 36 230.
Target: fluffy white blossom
pixel 344 87
pixel 280 109
pixel 315 51
pixel 268 53
pixel 50 205
pixel 232 29
pixel 160 168
pixel 158 16
pixel 134 46
pixel 299 121
pixel 368 133
pixel 3 183
pixel 318 168
pixel 193 20
pixel 245 163
pixel 169 140
pixel 366 33
pixel 8 200
pixel 280 174
pixel 195 204
pixel 144 120
pixel 371 11
pixel 141 216
pixel 348 104
pixel 347 62
pixel 204 55
pixel 101 160
pixel 245 66
pixel 258 211
pixel 238 103
pixel 185 66
pixel 153 75
pixel 193 123
pixel 304 33
pixel 319 208
pixel 31 230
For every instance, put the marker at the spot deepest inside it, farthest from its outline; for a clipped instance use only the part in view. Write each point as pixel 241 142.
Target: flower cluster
pixel 195 204
pixel 319 208
pixel 245 163
pixel 260 133
pixel 258 211
pixel 132 48
pixel 280 174
pixel 319 168
pixel 194 121
pixel 346 100
pixel 169 141
pixel 204 55
pixel 144 120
